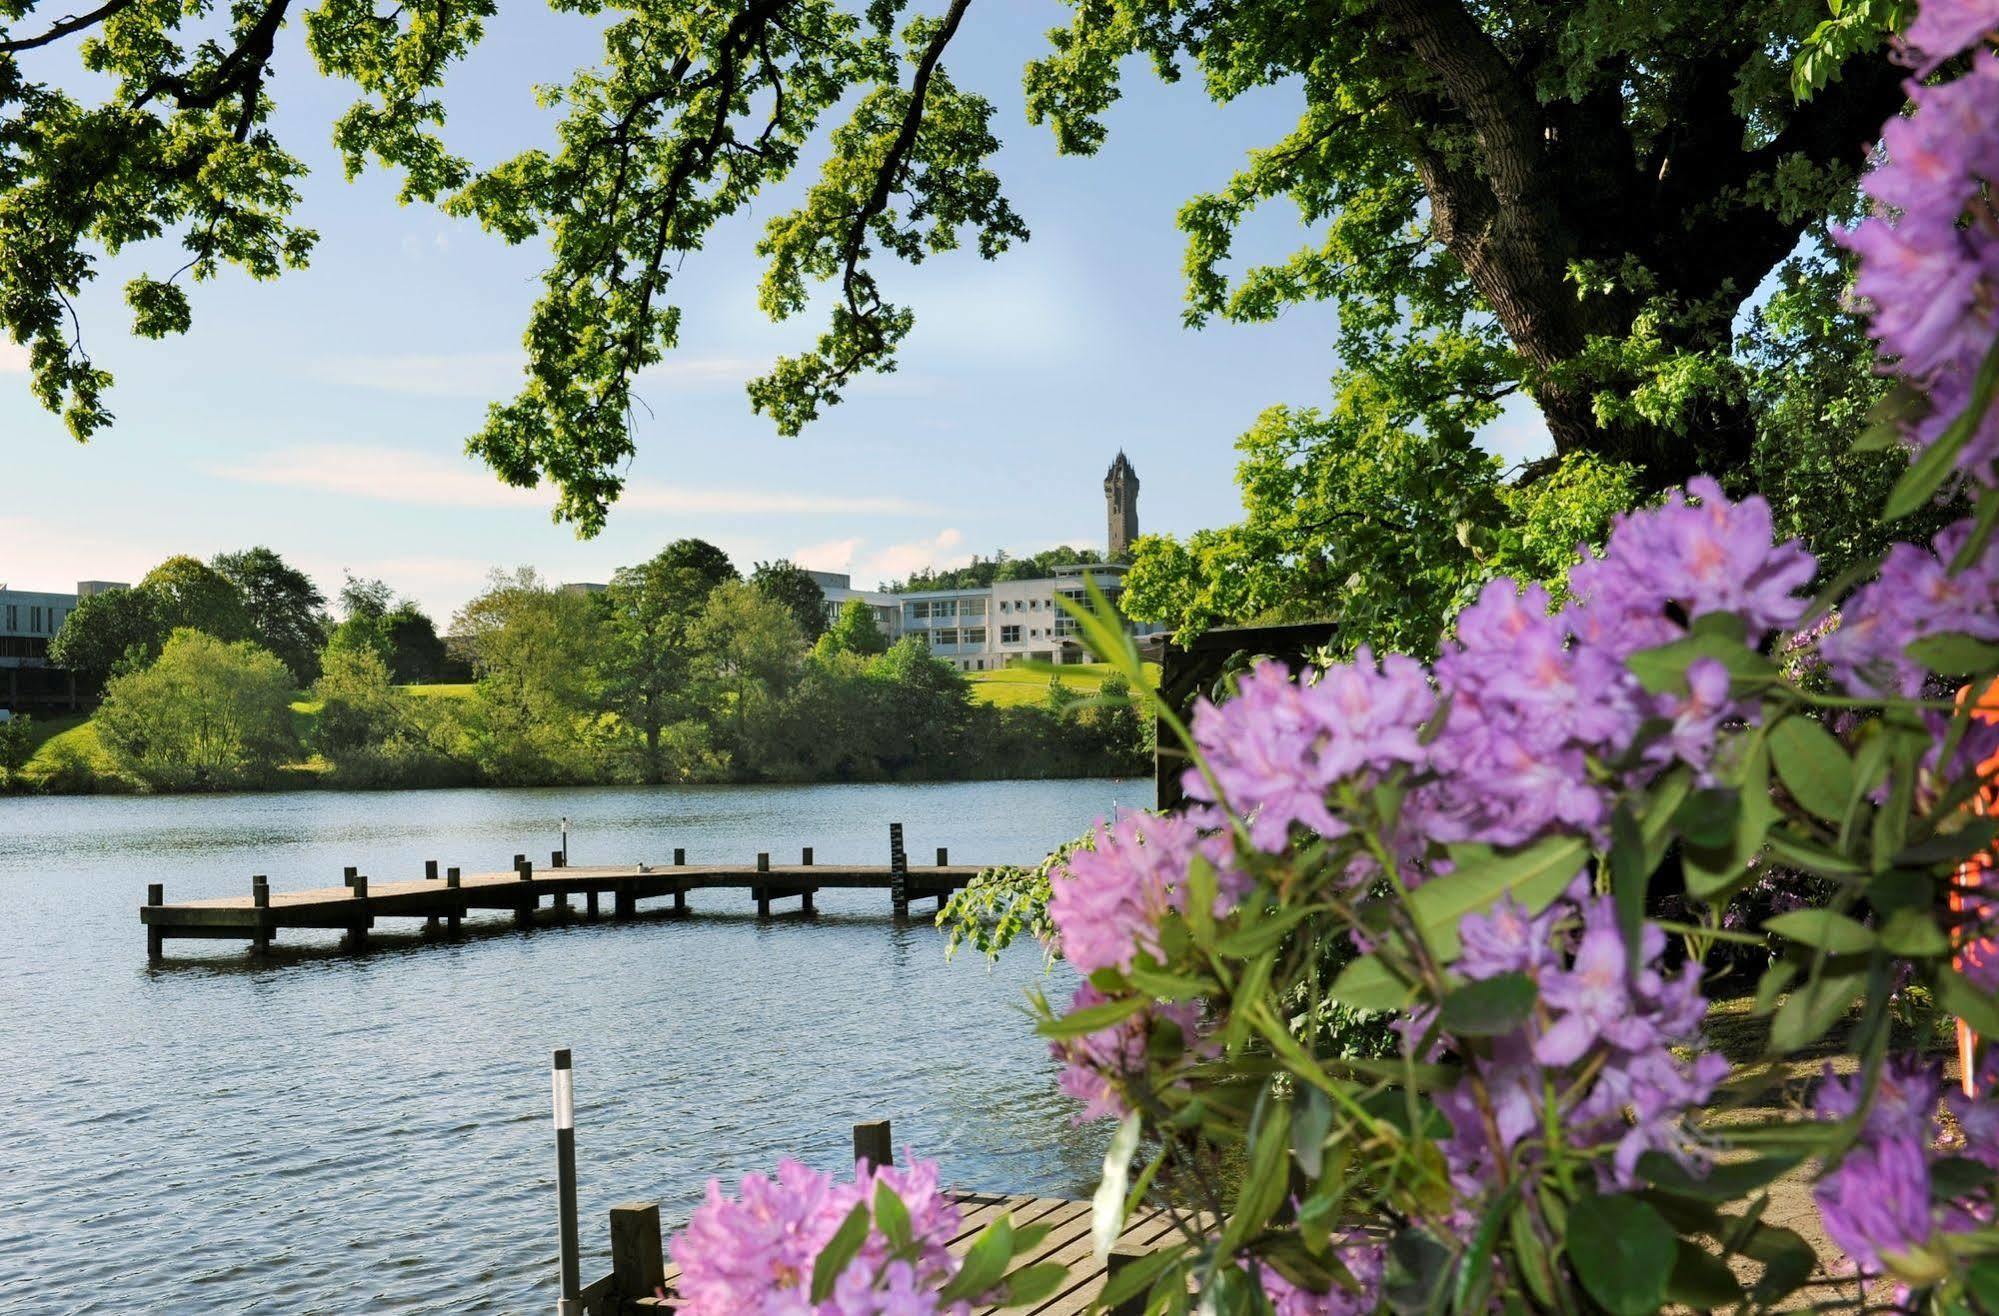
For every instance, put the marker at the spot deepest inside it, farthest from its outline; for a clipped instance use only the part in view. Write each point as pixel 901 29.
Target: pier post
pixel 260 899
pixel 873 1144
pixel 524 910
pixel 680 901
pixel 624 900
pixel 568 1255
pixel 638 1261
pixel 156 894
pixel 806 859
pixel 590 904
pixel 348 874
pixel 762 894
pixel 679 857
pixel 898 880
pixel 943 857
pixel 457 910
pixel 806 896
pixel 357 926
pixel 555 859
pixel 430 870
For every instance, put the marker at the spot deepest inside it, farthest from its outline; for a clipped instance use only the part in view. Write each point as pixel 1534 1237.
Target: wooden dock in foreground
pixel 441 901
pixel 641 1281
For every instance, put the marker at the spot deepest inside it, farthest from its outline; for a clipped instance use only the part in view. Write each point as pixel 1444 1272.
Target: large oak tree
pixel 1570 199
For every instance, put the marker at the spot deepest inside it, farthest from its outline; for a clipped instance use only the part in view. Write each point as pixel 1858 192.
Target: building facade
pixel 29 620
pixel 838 587
pixel 1010 621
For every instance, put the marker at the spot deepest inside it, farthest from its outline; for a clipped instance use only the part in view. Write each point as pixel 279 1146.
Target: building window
pixel 916 611
pixel 13 616
pixel 975 635
pixel 949 636
pixel 35 620
pixel 972 608
pixel 1009 635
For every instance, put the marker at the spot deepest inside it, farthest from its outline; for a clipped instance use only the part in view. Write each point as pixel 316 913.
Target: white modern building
pixel 29 620
pixel 838 587
pixel 1009 621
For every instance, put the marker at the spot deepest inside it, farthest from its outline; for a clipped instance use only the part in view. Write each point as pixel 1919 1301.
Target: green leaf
pixel 985 1262
pixel 892 1218
pixel 1812 1009
pixel 1263 935
pixel 1369 984
pixel 1813 766
pixel 1169 986
pixel 1489 1007
pixel 1107 1206
pixel 1663 670
pixel 1630 875
pixel 1264 1185
pixel 1311 1121
pixel 1719 1183
pixel 1936 463
pixel 1955 654
pixel 1700 1280
pixel 1714 871
pixel 1474 1279
pixel 1533 876
pixel 1914 934
pixel 1774 980
pixel 1952 1177
pixel 1032 1284
pixel 839 1250
pixel 1708 818
pixel 1092 1018
pixel 1957 995
pixel 1822 929
pixel 1974 836
pixel 1788 1260
pixel 1137 1276
pixel 1623 1253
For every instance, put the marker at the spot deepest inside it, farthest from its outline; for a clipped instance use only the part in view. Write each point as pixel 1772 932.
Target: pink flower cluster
pixel 755 1253
pixel 1096 1067
pixel 1365 1261
pixel 1592 1006
pixel 1929 275
pixel 1878 1203
pixel 1107 901
pixel 1914 597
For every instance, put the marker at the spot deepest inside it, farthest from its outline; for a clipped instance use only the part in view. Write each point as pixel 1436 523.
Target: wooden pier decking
pixel 641 1281
pixel 531 894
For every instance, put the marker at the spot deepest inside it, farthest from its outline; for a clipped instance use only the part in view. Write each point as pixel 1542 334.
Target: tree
pixel 709 565
pixel 17 746
pixel 208 715
pixel 646 652
pixel 287 611
pixel 417 652
pixel 854 631
pixel 787 583
pixel 533 650
pixel 750 648
pixel 363 596
pixel 1536 198
pixel 119 627
pixel 192 595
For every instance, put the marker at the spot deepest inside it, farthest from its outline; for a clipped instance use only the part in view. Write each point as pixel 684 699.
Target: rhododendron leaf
pixel 1474 1277
pixel 1771 985
pixel 892 1218
pixel 1267 1180
pixel 1032 1284
pixel 839 1251
pixel 1957 995
pixel 1813 766
pixel 1623 1253
pixel 1952 1177
pixel 1870 760
pixel 1711 872
pixel 1955 654
pixel 1972 837
pixel 1311 1121
pixel 1708 817
pixel 1701 1280
pixel 1138 1276
pixel 1535 1265
pixel 1489 1007
pixel 1788 1260
pixel 1201 891
pixel 1716 1183
pixel 1170 986
pixel 1630 875
pixel 1265 933
pixel 1369 984
pixel 1913 933
pixel 1983 524
pixel 1107 1212
pixel 1533 876
pixel 1813 1008
pixel 1812 859
pixel 1663 670
pixel 1822 929
pixel 985 1263
pixel 1418 1267
pixel 1092 1018
pixel 1936 463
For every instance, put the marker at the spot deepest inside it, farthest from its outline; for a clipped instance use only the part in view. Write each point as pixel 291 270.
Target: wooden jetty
pixel 641 1281
pixel 441 901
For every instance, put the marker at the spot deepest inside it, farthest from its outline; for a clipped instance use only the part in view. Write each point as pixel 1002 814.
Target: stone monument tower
pixel 1121 506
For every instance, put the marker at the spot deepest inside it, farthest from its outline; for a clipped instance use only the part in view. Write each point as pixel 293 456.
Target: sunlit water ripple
pixel 330 1133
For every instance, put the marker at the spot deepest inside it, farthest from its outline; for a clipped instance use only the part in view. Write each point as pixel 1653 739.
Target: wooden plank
pixel 1087 1281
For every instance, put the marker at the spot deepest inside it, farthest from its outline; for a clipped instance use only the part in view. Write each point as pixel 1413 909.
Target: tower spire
pixel 1121 507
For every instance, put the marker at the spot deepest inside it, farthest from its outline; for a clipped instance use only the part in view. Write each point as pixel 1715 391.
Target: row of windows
pixel 951 635
pixel 41 621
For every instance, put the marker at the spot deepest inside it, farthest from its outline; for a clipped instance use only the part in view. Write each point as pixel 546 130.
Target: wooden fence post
pixel 873 1144
pixel 156 894
pixel 260 898
pixel 638 1261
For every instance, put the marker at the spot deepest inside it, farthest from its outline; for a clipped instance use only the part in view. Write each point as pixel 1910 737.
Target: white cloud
pixel 833 555
pixel 898 560
pixel 394 475
pixel 13 358
pixel 1519 433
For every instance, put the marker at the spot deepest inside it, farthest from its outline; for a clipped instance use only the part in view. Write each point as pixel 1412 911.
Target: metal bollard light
pixel 570 1303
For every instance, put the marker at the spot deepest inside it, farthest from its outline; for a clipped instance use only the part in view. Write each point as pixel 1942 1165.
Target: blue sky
pixel 325 414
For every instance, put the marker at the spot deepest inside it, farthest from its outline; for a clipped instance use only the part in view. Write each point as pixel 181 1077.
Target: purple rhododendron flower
pixel 1915 596
pixel 1107 902
pixel 1507 940
pixel 1942 28
pixel 1096 1066
pixel 755 1253
pixel 1364 1260
pixel 1876 1204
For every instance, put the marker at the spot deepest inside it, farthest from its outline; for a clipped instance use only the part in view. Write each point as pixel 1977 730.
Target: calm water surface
pixel 328 1133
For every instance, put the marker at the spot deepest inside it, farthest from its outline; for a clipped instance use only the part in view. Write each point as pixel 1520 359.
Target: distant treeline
pixel 983 571
pixel 682 670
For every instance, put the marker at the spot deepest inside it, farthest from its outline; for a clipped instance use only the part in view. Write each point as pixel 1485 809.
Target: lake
pixel 335 1133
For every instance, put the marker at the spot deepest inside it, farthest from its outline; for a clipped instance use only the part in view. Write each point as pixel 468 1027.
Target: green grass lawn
pixel 1011 686
pixel 443 690
pixel 71 734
